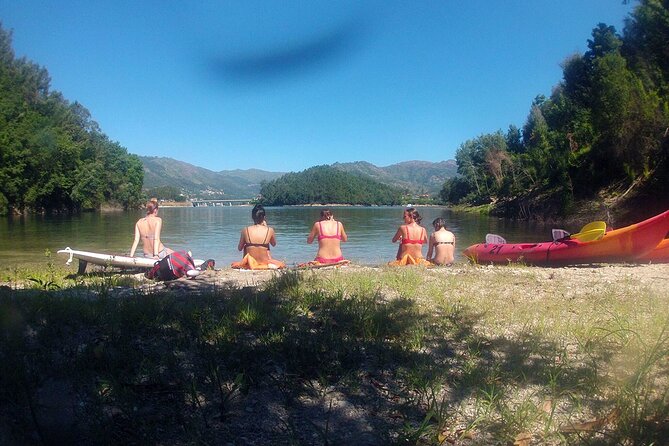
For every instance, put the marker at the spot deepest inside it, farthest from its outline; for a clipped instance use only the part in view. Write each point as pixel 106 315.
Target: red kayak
pixel 658 255
pixel 619 245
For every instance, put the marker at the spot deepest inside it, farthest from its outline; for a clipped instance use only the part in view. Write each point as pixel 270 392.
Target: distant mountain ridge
pixel 412 176
pixel 201 182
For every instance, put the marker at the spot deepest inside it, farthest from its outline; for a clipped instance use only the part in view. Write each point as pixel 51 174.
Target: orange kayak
pixel 619 245
pixel 658 255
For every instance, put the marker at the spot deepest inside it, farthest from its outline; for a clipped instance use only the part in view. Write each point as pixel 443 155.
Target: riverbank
pixel 354 355
pixel 616 204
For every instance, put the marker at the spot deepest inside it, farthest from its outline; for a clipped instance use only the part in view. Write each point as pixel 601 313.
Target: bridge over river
pixel 225 202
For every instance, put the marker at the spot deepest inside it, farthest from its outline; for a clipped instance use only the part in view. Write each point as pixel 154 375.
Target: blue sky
pixel 285 85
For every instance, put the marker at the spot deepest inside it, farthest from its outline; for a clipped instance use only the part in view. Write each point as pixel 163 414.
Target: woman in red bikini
pixel 412 236
pixel 330 234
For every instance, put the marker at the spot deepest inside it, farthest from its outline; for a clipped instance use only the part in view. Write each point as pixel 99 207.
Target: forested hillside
pixel 604 127
pixel 53 156
pixel 326 184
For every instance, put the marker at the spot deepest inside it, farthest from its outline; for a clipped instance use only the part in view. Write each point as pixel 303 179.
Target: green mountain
pixel 327 184
pixel 201 182
pixel 412 176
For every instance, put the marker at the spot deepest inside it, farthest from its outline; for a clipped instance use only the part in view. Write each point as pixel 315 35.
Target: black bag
pixel 175 265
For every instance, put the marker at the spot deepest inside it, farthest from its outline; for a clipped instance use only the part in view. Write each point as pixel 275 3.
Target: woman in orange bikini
pixel 441 249
pixel 412 237
pixel 330 234
pixel 255 241
pixel 148 230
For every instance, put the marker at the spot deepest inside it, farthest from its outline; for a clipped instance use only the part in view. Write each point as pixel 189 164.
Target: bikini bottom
pixel 329 261
pixel 161 255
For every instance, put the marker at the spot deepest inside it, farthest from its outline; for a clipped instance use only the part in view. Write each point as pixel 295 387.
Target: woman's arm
pixel 135 242
pixel 430 247
pixel 272 238
pixel 156 237
pixel 312 234
pixel 342 233
pixel 242 242
pixel 398 234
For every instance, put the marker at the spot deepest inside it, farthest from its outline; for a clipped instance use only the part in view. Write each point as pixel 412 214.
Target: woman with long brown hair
pixel 330 233
pixel 147 229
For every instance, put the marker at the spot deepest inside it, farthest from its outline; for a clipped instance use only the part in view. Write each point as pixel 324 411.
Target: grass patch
pixel 466 355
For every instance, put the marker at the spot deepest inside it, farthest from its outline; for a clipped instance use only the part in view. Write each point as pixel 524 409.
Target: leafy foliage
pixel 53 156
pixel 325 184
pixel 605 123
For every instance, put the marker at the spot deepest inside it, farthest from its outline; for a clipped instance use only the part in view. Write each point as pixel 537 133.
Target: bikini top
pixel 444 243
pixel 406 240
pixel 320 232
pixel 264 244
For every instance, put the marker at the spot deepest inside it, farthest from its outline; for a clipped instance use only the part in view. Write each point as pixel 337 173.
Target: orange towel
pixel 317 264
pixel 408 259
pixel 248 262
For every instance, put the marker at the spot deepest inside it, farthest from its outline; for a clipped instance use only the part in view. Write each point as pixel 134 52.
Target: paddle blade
pixel 494 239
pixel 591 232
pixel 589 236
pixel 594 225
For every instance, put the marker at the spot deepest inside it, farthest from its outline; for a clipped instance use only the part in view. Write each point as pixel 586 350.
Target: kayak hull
pixel 620 245
pixel 658 255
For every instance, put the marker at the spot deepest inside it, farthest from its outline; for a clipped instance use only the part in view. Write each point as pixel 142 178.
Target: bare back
pixel 412 237
pixel 149 228
pixel 330 234
pixel 256 240
pixel 442 247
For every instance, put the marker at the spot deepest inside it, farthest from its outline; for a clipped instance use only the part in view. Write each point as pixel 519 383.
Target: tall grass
pixel 400 356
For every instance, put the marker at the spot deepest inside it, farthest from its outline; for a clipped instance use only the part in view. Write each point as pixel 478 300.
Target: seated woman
pixel 148 230
pixel 441 249
pixel 330 234
pixel 412 236
pixel 255 242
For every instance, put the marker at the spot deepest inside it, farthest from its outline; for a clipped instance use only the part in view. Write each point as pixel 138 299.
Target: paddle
pixel 588 233
pixel 494 239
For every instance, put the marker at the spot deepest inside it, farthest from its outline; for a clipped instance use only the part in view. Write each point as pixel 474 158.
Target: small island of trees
pixel 325 184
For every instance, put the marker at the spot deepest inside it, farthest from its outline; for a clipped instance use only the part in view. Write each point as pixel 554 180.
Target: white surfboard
pixel 96 258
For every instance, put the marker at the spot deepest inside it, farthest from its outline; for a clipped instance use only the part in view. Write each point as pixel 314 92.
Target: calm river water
pixel 213 232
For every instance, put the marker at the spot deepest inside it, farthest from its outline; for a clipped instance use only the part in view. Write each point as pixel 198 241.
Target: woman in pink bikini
pixel 330 234
pixel 412 236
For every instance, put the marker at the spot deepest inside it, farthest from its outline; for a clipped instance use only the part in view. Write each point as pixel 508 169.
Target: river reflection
pixel 213 232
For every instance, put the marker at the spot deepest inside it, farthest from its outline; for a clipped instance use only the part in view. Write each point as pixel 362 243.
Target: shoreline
pixel 580 277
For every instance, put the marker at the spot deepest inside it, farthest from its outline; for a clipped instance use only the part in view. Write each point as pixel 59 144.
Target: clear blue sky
pixel 285 85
